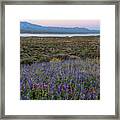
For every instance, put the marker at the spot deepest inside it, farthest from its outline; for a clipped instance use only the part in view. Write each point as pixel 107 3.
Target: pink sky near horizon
pixel 92 24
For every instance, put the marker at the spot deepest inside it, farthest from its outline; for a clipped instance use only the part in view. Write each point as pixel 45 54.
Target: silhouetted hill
pixel 26 27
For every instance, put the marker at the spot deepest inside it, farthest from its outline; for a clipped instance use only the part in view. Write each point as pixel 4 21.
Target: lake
pixel 56 35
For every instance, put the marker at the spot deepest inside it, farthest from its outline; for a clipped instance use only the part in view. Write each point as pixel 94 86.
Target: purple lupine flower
pixel 30 83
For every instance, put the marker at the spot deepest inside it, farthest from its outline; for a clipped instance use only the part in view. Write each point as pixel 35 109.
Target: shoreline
pixel 98 36
pixel 59 35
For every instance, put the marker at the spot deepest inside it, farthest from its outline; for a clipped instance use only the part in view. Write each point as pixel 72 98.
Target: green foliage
pixel 49 49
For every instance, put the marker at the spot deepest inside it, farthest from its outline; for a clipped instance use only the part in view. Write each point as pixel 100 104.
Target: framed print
pixel 60 60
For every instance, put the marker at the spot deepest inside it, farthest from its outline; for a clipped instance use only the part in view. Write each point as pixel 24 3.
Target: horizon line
pixel 97 28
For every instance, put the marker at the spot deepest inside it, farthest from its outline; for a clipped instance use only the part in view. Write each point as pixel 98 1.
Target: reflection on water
pixel 56 35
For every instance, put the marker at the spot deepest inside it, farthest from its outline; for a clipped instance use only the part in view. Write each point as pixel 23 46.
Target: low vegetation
pixel 60 68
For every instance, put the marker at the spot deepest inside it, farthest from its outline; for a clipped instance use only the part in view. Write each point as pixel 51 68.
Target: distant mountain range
pixel 26 27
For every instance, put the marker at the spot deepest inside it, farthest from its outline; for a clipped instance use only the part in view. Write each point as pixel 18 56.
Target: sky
pixel 90 24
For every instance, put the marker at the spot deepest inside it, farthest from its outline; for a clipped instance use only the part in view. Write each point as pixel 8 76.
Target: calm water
pixel 56 35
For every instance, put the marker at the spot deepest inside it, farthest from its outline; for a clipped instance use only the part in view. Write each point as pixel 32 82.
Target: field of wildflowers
pixel 65 76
